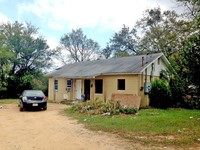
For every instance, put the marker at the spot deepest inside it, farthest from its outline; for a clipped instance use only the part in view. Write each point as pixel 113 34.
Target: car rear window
pixel 33 93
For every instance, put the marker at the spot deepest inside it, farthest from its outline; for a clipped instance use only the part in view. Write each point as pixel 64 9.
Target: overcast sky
pixel 99 19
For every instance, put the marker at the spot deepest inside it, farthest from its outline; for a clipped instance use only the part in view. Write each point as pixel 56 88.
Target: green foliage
pixel 5 57
pixel 160 94
pixel 164 75
pixel 191 54
pixel 25 55
pixel 178 79
pixel 98 107
pixel 162 30
pixel 124 43
pixel 184 70
pixel 178 90
pixel 40 82
pixel 128 110
pixel 191 102
pixel 107 51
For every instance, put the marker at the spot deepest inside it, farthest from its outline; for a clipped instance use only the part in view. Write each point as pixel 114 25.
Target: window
pixel 121 84
pixel 99 86
pixel 69 83
pixel 55 84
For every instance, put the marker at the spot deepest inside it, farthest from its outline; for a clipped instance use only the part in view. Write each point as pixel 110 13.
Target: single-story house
pixel 125 79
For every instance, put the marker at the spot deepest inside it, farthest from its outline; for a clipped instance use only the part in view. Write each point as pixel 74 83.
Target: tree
pixel 31 51
pixel 5 58
pixel 162 31
pixel 76 47
pixel 30 54
pixel 107 51
pixel 192 8
pixel 187 60
pixel 125 41
pixel 184 64
pixel 191 54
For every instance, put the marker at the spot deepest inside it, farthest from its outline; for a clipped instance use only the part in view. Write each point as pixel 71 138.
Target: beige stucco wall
pixel 110 86
pixel 51 89
pixel 61 93
pixel 133 83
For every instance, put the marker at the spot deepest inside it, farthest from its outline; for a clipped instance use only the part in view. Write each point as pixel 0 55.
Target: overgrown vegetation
pixel 98 107
pixel 23 57
pixel 191 102
pixel 171 127
pixel 160 94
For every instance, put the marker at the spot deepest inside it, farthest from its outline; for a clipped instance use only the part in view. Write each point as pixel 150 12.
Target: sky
pixel 99 19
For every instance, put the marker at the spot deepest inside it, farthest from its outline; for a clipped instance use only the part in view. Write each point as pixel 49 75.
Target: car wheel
pixel 21 108
pixel 45 108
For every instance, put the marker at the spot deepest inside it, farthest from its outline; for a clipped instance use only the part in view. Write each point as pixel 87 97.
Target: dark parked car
pixel 32 99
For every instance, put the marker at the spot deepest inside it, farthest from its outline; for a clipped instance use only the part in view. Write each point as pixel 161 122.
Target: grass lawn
pixel 172 127
pixel 7 101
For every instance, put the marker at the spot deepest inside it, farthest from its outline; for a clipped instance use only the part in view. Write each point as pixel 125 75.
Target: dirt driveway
pixel 50 130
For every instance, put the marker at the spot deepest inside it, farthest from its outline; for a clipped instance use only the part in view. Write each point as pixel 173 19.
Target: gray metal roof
pixel 90 69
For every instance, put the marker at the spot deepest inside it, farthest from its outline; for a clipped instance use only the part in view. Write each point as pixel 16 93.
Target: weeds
pixel 98 107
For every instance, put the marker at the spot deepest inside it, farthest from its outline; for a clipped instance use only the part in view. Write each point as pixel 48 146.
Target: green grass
pixel 7 101
pixel 172 127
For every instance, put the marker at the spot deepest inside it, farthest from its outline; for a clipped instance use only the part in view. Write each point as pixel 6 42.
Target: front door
pixel 87 89
pixel 78 89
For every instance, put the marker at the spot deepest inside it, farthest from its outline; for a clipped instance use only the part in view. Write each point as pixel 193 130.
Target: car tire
pixel 45 108
pixel 21 107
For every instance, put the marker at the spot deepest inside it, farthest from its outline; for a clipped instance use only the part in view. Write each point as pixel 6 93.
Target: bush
pixel 191 102
pixel 97 107
pixel 160 94
pixel 178 89
pixel 128 110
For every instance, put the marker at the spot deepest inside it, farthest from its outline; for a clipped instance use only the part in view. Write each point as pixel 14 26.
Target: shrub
pixel 178 89
pixel 75 107
pixel 97 107
pixel 191 102
pixel 160 94
pixel 128 110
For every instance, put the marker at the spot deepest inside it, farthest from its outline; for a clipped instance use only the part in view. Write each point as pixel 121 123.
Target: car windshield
pixel 33 93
